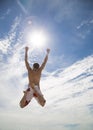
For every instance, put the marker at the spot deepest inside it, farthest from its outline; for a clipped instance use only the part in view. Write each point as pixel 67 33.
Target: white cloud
pixel 85 23
pixel 6 42
pixel 85 28
pixel 68 94
pixel 82 24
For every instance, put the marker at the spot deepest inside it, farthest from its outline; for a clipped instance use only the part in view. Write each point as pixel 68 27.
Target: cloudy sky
pixel 67 80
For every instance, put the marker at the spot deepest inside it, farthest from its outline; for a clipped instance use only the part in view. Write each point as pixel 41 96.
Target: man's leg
pixel 28 95
pixel 39 96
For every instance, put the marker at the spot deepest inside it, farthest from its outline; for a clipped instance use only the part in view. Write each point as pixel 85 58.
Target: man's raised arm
pixel 45 60
pixel 26 58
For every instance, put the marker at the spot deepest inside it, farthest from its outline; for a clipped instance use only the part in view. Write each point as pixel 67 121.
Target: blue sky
pixel 68 24
pixel 67 80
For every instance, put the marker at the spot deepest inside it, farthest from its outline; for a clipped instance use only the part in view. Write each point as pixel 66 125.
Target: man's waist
pixel 32 84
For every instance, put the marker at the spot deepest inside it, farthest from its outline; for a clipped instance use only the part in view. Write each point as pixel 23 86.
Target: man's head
pixel 35 66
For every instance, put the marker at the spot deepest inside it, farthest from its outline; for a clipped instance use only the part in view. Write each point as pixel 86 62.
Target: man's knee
pixel 43 103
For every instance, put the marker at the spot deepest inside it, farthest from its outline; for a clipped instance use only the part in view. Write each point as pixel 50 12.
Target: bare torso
pixel 34 77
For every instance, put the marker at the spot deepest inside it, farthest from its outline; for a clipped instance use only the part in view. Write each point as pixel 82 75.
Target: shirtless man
pixel 34 75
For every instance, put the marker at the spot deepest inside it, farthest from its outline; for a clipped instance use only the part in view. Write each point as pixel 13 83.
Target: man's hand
pixel 26 48
pixel 48 50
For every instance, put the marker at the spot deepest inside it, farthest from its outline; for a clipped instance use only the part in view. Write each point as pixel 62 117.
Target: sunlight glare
pixel 37 38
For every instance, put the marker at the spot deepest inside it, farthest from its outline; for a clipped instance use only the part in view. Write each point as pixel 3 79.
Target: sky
pixel 67 80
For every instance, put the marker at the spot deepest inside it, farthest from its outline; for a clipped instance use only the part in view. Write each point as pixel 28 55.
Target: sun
pixel 37 38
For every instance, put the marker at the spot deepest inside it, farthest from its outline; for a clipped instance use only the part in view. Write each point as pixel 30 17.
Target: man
pixel 34 75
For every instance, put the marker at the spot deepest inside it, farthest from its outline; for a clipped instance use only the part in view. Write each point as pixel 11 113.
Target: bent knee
pixel 43 103
pixel 22 105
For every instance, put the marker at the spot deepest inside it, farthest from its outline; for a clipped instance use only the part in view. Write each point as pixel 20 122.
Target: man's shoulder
pixel 40 69
pixel 30 69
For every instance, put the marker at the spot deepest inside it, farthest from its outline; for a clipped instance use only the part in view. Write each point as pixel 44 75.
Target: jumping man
pixel 34 75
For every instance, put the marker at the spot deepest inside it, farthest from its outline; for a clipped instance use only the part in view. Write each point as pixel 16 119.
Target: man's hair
pixel 36 66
